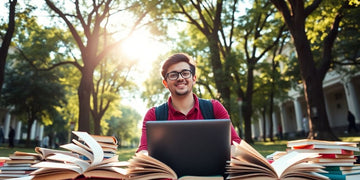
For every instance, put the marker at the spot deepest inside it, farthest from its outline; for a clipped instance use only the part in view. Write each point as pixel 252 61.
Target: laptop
pixel 191 147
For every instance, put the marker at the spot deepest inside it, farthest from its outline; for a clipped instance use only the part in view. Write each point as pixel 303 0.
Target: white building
pixel 342 93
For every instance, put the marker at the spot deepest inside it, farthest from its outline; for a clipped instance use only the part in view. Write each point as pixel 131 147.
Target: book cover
pixel 342 177
pixel 326 146
pixel 302 142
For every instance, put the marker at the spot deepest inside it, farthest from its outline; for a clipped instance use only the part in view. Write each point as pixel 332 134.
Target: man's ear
pixel 165 83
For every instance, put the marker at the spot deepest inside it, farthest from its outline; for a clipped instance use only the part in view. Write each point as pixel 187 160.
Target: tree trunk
pixel 313 91
pixel 264 122
pixel 7 40
pixel 84 92
pixel 295 15
pixel 271 125
pixel 247 107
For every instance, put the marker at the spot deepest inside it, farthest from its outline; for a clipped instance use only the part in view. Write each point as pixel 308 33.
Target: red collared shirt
pixel 219 112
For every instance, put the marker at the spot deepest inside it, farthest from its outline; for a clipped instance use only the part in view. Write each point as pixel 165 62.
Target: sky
pixel 147 52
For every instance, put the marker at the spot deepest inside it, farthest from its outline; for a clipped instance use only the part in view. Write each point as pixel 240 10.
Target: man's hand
pixel 145 152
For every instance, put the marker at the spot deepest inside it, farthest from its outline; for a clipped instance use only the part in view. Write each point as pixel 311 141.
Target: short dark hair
pixel 176 58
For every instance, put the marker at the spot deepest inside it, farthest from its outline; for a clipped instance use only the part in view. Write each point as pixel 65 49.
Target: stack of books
pixel 94 166
pixel 337 157
pixel 109 144
pixel 18 165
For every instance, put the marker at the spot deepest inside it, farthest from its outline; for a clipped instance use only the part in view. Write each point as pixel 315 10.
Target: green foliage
pixel 155 92
pixel 125 128
pixel 33 94
pixel 40 90
pixel 320 22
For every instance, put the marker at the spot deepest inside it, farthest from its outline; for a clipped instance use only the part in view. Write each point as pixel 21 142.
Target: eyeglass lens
pixel 175 75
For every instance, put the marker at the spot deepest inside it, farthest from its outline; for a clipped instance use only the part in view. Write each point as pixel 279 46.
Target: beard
pixel 180 92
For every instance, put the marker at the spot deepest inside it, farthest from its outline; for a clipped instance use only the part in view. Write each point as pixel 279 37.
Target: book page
pixel 45 152
pixel 287 160
pixel 50 174
pixel 142 162
pixel 65 158
pixel 239 166
pixel 93 145
pixel 79 150
pixel 46 167
pixel 81 144
pixel 110 173
pixel 105 139
pixel 247 153
pixel 201 178
pixel 109 163
pixel 152 176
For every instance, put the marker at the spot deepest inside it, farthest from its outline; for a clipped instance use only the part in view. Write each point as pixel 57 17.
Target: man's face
pixel 181 86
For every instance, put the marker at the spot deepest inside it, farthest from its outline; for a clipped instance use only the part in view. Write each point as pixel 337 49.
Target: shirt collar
pixel 196 105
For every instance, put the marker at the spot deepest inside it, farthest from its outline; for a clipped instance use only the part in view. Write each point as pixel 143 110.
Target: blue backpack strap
pixel 161 112
pixel 206 109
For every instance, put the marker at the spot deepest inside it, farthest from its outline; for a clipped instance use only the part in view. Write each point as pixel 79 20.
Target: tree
pixel 32 95
pixel 124 127
pixel 205 18
pixel 231 46
pixel 111 79
pixel 259 39
pixel 295 14
pixel 29 93
pixel 6 40
pixel 271 85
pixel 87 25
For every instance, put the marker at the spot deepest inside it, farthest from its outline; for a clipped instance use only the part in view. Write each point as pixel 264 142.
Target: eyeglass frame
pixel 179 74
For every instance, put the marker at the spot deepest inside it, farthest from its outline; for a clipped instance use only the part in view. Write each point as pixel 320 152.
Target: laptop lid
pixel 191 147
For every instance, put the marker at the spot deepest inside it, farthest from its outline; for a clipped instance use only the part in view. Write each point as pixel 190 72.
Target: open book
pixel 144 167
pixel 64 166
pixel 247 163
pixel 46 152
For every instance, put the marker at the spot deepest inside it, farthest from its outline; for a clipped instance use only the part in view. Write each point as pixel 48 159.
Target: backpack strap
pixel 161 112
pixel 206 109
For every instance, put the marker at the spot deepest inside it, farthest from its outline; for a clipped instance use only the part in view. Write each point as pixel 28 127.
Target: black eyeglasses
pixel 186 74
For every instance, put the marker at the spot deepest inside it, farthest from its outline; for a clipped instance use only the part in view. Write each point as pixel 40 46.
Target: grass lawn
pixel 265 148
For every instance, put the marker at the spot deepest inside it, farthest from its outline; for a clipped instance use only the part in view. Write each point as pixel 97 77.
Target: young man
pixel 178 73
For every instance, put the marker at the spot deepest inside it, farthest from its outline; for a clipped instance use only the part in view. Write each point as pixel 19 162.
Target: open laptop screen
pixel 191 147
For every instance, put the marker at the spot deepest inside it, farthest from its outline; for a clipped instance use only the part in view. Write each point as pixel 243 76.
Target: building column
pixel 283 115
pixel 275 123
pixel 351 98
pixel 33 130
pixel 261 127
pixel 256 129
pixel 17 132
pixel 40 132
pixel 267 124
pixel 328 111
pixel 7 125
pixel 298 114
